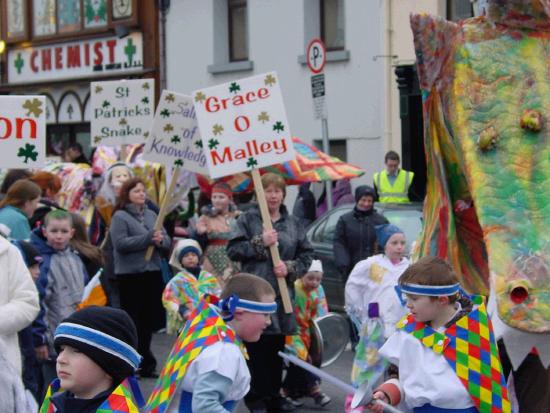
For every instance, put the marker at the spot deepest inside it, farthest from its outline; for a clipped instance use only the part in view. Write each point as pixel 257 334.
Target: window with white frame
pixel 238 30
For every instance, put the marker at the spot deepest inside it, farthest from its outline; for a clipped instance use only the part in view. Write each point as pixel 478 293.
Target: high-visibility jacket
pixel 398 192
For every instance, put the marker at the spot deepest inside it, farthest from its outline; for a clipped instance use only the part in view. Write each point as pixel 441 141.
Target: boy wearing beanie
pixel 96 361
pixel 183 292
pixel 206 370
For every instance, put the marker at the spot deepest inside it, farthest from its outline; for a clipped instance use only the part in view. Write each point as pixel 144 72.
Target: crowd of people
pixel 73 357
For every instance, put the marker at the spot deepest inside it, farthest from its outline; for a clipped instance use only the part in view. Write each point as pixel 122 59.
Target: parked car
pixel 321 233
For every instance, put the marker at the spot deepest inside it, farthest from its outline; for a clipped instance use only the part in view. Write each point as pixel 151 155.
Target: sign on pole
pixel 175 139
pixel 22 131
pixel 122 111
pixel 318 95
pixel 243 125
pixel 316 56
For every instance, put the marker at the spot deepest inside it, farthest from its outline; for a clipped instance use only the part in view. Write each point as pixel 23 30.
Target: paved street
pixel 341 369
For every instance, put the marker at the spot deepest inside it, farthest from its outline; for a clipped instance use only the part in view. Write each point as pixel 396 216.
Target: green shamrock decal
pixel 27 152
pixel 278 127
pixel 178 163
pixel 145 100
pixel 198 144
pixel 175 139
pixel 165 113
pixel 106 103
pixel 234 87
pixel 213 143
pixel 200 97
pixel 251 163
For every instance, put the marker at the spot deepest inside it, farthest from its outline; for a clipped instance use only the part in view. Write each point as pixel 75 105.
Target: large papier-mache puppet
pixel 486 98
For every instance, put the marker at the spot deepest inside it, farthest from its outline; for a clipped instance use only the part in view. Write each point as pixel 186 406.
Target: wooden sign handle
pixel 266 219
pixel 162 211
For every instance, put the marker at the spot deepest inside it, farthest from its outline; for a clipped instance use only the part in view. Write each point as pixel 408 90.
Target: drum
pixel 329 338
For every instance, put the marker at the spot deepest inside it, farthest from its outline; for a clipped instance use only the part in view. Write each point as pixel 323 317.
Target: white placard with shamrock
pixel 243 125
pixel 122 111
pixel 22 131
pixel 175 139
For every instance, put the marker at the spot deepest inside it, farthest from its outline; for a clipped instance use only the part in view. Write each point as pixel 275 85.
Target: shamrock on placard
pixel 234 87
pixel 175 139
pixel 217 129
pixel 145 86
pixel 251 163
pixel 97 139
pixel 170 97
pixel 165 113
pixel 146 135
pixel 200 97
pixel 263 117
pixel 145 100
pixel 33 106
pixel 270 80
pixel 198 144
pixel 98 89
pixel 168 128
pixel 122 122
pixel 106 103
pixel 213 143
pixel 178 163
pixel 278 126
pixel 27 152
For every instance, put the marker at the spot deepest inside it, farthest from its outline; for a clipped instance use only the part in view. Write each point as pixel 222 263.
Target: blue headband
pixel 232 303
pixel 429 290
pixel 102 341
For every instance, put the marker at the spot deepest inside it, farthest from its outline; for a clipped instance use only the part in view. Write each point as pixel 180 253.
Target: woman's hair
pixel 124 196
pixel 12 176
pixel 46 180
pixel 248 287
pixel 81 242
pixel 20 192
pixel 273 179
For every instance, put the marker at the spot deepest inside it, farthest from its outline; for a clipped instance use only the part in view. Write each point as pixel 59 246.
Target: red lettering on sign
pixel 8 128
pixel 98 54
pixel 111 45
pixel 242 123
pixel 46 57
pixel 34 66
pixel 20 122
pixel 226 154
pixel 58 58
pixel 214 104
pixel 250 97
pixel 87 54
pixel 263 92
pixel 73 56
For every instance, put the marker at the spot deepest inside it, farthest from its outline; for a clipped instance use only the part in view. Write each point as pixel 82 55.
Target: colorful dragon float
pixel 485 85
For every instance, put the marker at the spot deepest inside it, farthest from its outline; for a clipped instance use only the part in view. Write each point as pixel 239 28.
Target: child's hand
pixel 42 353
pixel 377 407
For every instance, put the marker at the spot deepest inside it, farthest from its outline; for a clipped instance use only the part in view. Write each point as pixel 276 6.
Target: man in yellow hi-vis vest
pixel 393 184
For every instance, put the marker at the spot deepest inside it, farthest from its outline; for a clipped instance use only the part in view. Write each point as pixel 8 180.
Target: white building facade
pixel 214 41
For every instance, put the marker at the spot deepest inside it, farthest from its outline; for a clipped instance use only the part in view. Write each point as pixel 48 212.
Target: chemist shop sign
pixel 99 56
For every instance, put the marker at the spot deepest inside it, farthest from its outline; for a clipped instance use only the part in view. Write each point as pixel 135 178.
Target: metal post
pixel 326 149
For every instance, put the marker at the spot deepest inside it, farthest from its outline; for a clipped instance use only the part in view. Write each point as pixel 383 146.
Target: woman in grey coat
pixel 140 282
pixel 250 247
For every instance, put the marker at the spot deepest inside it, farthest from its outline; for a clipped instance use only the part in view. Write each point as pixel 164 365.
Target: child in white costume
pixel 444 348
pixel 374 280
pixel 206 370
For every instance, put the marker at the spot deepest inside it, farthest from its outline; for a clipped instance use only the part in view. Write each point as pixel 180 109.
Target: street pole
pixel 326 149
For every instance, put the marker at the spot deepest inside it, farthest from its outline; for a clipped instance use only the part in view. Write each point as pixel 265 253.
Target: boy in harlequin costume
pixel 96 362
pixel 310 303
pixel 206 370
pixel 184 291
pixel 444 349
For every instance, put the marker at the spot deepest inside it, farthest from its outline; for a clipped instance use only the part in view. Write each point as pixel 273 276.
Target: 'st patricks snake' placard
pixel 22 131
pixel 243 125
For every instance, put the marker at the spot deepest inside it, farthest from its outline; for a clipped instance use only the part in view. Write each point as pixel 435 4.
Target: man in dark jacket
pixel 355 237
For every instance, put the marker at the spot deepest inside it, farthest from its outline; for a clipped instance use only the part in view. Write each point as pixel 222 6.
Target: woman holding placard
pixel 250 246
pixel 140 281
